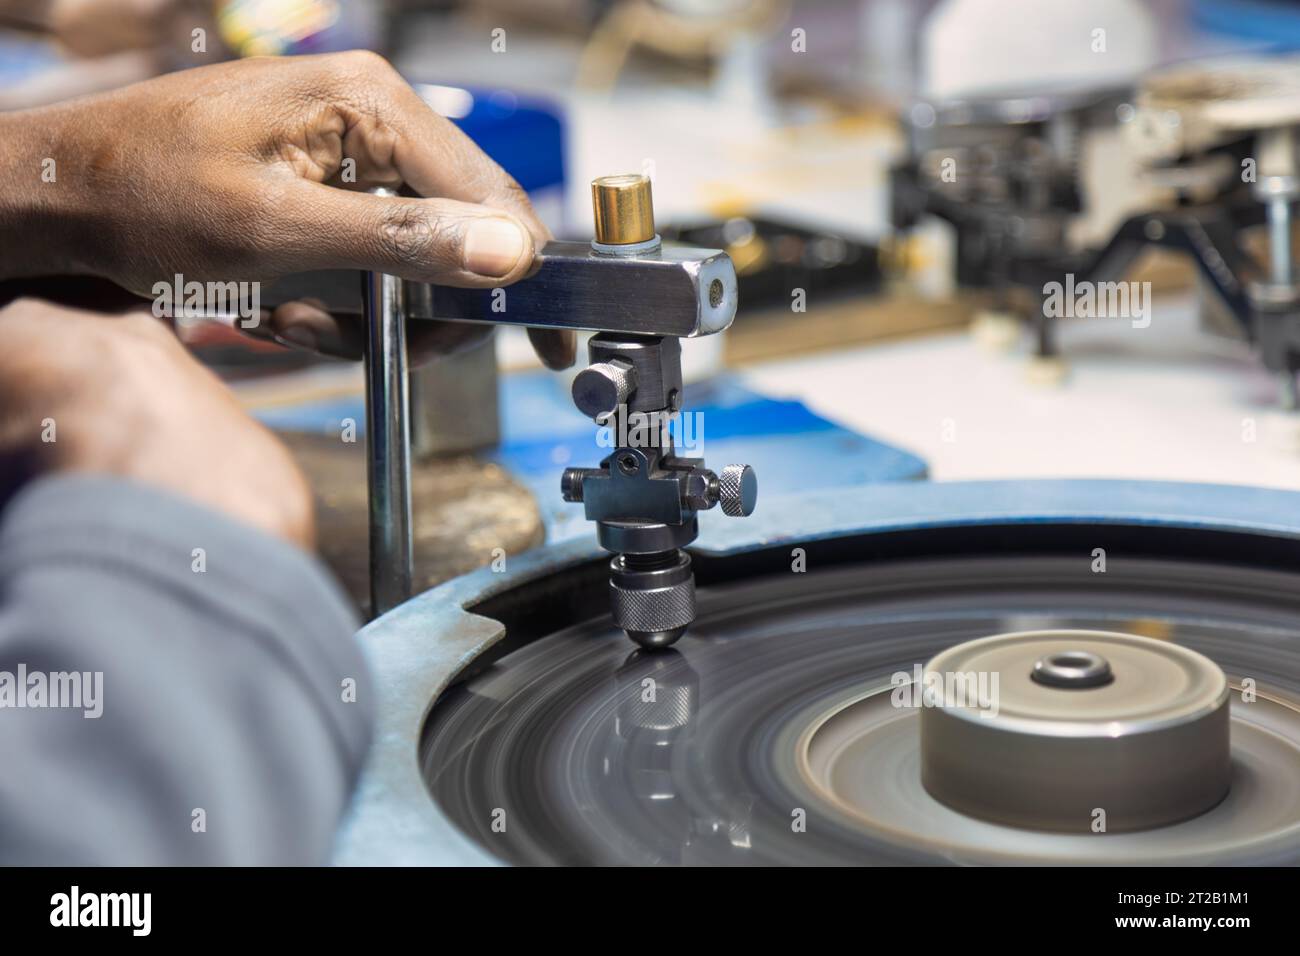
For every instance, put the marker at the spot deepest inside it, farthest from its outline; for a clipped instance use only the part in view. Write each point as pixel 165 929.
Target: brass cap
pixel 624 209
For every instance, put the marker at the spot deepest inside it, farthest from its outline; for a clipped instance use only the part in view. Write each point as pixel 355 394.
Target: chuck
pixel 652 596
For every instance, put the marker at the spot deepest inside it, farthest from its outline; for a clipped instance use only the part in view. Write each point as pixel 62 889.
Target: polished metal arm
pixel 673 290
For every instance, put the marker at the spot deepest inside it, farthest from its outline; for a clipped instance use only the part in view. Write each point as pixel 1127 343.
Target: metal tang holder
pixel 630 286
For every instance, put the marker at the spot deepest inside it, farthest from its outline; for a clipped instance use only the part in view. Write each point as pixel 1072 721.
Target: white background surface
pixel 1166 402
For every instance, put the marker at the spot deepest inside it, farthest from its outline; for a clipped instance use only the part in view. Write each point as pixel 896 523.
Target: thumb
pixel 443 241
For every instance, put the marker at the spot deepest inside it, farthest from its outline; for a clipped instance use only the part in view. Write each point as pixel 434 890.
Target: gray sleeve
pixel 214 703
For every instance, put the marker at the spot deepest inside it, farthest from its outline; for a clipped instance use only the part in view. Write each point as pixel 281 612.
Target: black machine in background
pixel 1005 173
pixel 773 257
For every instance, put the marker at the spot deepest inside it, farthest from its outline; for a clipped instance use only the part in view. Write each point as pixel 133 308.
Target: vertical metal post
pixel 1281 273
pixel 388 440
pixel 1277 187
pixel 1279 232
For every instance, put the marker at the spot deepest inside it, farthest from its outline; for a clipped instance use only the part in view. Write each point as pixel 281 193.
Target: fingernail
pixel 301 336
pixel 493 246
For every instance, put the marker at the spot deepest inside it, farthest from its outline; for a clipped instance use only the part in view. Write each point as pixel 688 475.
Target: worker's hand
pixel 258 168
pixel 118 395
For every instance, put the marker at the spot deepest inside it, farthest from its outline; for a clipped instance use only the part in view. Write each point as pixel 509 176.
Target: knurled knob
pixel 738 490
pixel 623 208
pixel 600 389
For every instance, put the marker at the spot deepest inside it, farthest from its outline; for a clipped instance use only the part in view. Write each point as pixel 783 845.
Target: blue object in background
pixel 22 57
pixel 793 449
pixel 1274 22
pixel 525 135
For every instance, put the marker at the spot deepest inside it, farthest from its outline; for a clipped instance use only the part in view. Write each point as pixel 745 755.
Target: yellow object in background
pixel 274 27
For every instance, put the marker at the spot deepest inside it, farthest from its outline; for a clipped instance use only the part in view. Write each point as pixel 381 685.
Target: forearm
pixel 230 714
pixel 46 217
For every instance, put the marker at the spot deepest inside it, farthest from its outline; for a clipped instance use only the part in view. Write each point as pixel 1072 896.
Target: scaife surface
pixel 769 736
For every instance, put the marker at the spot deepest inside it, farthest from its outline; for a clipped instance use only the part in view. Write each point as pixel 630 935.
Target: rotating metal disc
pixel 769 734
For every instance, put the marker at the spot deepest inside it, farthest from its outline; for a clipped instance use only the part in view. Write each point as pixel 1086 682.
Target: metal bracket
pixel 679 291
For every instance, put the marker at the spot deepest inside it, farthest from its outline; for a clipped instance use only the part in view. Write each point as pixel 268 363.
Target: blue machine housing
pixel 418 649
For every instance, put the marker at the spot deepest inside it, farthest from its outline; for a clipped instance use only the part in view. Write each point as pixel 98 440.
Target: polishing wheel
pixel 1075 731
pixel 955 681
